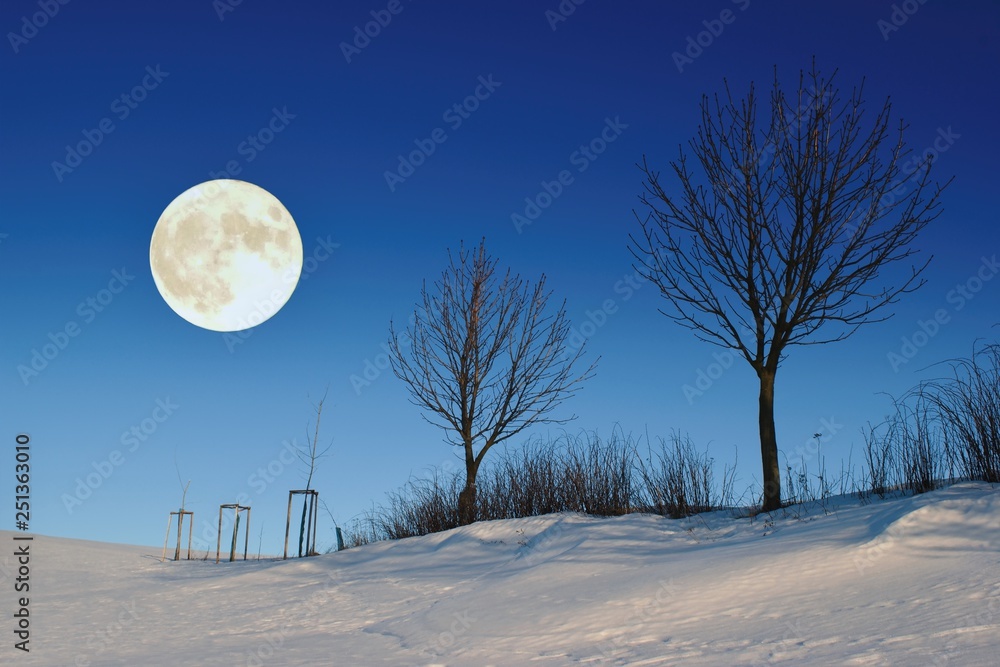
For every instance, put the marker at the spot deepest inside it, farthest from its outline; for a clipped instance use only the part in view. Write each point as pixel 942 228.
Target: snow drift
pixel 907 581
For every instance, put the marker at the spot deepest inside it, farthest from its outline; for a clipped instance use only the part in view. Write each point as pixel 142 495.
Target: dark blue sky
pixel 203 96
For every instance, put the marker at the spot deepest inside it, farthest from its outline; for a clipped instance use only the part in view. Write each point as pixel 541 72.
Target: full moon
pixel 226 255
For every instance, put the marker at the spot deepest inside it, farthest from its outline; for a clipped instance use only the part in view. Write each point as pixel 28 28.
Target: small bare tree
pixel 793 227
pixel 484 360
pixel 311 458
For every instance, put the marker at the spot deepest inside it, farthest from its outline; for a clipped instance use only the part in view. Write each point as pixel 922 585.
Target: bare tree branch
pixel 312 455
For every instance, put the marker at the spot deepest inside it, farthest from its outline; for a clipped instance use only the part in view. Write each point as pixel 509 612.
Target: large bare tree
pixel 791 224
pixel 484 360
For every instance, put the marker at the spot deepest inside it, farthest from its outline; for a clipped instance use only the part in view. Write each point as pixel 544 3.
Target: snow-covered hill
pixel 909 581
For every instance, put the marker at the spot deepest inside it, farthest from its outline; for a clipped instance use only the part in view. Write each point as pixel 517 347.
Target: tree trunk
pixel 467 497
pixel 180 526
pixel 467 505
pixel 769 442
pixel 302 524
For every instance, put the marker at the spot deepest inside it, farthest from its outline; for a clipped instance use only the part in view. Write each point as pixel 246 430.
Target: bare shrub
pixel 571 473
pixel 361 531
pixel 921 454
pixel 968 405
pixel 523 482
pixel 599 475
pixel 581 473
pixel 907 450
pixel 880 458
pixel 680 482
pixel 942 427
pixel 422 506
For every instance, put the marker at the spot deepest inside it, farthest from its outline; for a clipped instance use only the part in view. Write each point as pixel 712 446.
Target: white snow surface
pixel 913 580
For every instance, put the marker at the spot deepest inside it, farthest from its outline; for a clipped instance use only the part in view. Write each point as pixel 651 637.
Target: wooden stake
pixel 309 523
pixel 246 534
pixel 315 518
pixel 309 500
pixel 166 537
pixel 236 531
pixel 180 527
pixel 218 537
pixel 288 524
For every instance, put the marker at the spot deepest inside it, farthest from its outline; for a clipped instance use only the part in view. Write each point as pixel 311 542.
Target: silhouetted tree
pixel 484 360
pixel 792 225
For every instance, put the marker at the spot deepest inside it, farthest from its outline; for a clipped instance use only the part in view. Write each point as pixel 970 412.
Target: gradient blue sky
pixel 221 80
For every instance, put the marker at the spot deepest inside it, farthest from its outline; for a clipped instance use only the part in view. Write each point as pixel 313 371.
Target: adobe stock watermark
pixel 30 25
pixel 255 143
pixel 121 107
pixel 794 120
pixel 809 449
pixel 943 142
pixel 289 454
pixel 87 310
pixel 131 440
pixel 794 635
pixel 125 616
pixel 454 116
pixel 981 619
pixel 594 319
pixel 958 297
pixel 640 616
pixel 696 45
pixel 531 551
pixel 446 639
pixel 562 12
pixel 269 305
pixel 223 7
pixel 626 287
pixel 878 547
pixel 705 378
pixel 898 17
pixel 363 35
pixel 977 620
pixel 263 653
pixel 258 481
pixel 585 155
pixel 372 368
